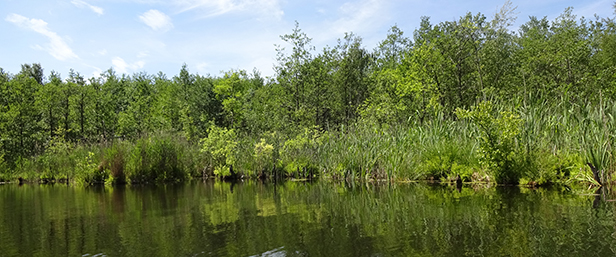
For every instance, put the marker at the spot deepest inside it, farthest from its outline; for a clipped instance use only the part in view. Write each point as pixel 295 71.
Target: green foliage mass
pixel 466 97
pixel 221 147
pixel 498 132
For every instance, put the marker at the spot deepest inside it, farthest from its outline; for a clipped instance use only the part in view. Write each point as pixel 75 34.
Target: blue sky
pixel 211 36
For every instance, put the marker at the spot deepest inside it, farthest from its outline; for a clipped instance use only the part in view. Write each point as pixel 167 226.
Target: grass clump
pixel 156 158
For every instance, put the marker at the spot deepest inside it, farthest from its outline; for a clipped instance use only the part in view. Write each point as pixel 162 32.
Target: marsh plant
pixel 220 146
pixel 535 106
pixel 499 151
pixel 264 157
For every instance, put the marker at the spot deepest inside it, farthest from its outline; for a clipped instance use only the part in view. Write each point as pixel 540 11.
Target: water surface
pixel 304 219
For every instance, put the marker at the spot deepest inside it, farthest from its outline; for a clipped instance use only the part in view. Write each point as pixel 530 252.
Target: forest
pixel 467 99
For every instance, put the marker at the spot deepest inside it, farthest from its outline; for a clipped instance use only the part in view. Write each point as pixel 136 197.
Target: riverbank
pixel 533 107
pixel 538 152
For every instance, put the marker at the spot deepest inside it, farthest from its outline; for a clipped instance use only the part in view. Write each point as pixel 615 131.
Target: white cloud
pixel 57 47
pixel 156 20
pixel 357 15
pixel 143 54
pixel 122 67
pixel 96 71
pixel 82 4
pixel 264 8
pixel 360 17
pixel 202 67
pixel 602 8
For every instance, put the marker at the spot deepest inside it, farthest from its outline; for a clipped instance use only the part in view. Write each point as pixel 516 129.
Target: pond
pixel 252 218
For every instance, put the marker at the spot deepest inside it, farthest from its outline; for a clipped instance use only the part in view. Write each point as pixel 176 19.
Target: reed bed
pixel 558 142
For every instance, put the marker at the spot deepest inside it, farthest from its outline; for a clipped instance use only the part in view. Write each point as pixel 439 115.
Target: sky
pixel 214 36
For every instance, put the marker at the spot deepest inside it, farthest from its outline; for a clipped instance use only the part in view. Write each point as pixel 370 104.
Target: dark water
pixel 303 219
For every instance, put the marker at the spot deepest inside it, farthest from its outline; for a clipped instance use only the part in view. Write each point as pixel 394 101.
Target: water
pixel 304 219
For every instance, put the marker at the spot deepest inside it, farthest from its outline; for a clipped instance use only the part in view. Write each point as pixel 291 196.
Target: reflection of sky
pixel 211 36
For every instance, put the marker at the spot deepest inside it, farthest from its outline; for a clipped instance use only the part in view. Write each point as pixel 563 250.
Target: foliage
pixel 541 103
pixel 264 155
pixel 220 145
pixel 87 171
pixel 498 149
pixel 297 155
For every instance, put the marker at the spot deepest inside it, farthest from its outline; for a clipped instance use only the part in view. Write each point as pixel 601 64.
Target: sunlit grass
pixel 558 143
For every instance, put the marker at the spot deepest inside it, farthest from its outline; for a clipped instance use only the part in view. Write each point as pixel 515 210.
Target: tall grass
pixel 559 141
pixel 434 150
pixel 154 158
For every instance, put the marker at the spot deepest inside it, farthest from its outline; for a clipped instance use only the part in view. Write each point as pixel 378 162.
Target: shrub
pixel 87 172
pixel 220 145
pixel 297 154
pixel 114 162
pixel 263 155
pixel 498 150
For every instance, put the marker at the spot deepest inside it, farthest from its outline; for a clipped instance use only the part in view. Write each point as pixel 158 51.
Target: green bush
pixel 114 162
pixel 298 155
pixel 263 155
pixel 88 172
pixel 220 146
pixel 498 149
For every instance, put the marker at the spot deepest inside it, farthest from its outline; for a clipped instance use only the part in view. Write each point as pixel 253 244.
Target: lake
pixel 252 218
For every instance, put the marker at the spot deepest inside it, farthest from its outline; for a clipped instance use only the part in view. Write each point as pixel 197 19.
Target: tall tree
pixel 292 74
pixel 48 101
pixel 81 99
pixel 352 73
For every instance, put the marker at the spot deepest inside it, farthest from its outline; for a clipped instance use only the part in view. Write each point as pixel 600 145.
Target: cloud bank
pixel 122 66
pixel 82 4
pixel 156 20
pixel 264 8
pixel 57 47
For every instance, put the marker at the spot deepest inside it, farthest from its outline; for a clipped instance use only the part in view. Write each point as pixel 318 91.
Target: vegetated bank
pixel 465 98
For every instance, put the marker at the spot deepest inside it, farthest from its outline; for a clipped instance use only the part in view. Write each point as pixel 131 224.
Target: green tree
pixel 499 151
pixel 192 102
pixel 80 101
pixel 221 147
pixel 292 75
pixel 48 101
pixel 390 51
pixel 21 119
pixel 115 100
pixel 352 74
pixel 555 57
pixel 137 119
pixel 230 91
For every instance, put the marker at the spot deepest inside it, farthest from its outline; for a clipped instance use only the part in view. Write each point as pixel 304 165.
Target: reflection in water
pixel 118 200
pixel 253 218
pixel 597 201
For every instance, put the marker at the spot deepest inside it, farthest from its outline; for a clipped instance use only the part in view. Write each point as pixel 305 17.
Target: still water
pixel 304 219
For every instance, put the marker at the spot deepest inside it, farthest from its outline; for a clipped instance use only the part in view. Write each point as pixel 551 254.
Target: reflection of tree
pixel 314 219
pixel 117 200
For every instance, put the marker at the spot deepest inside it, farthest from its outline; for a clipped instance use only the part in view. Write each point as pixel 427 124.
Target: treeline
pixel 505 98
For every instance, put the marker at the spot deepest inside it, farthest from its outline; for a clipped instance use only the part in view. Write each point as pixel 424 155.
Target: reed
pixel 558 142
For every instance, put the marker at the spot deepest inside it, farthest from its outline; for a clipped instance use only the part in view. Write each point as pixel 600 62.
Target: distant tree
pixel 49 101
pixel 390 51
pixel 292 75
pixel 136 119
pixel 352 72
pixel 81 101
pixel 21 119
pixel 34 71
